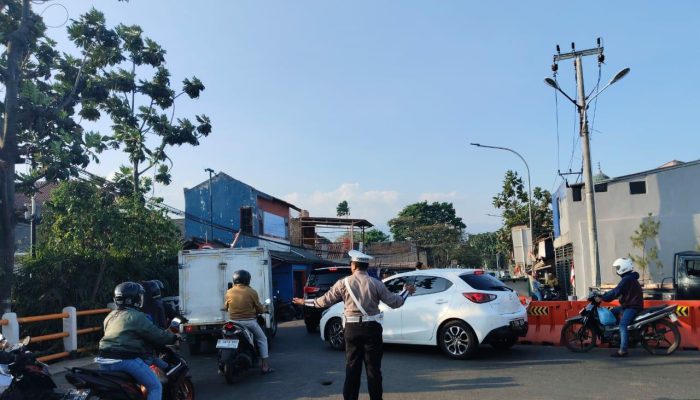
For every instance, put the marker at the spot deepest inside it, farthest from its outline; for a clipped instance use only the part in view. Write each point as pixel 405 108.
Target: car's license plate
pixel 673 317
pixel 517 323
pixel 75 394
pixel 227 344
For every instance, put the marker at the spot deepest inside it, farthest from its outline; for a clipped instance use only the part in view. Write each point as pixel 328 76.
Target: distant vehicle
pixel 455 309
pixel 319 282
pixel 205 276
pixel 685 279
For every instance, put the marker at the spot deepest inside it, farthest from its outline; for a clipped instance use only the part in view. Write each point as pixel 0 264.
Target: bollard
pixel 11 330
pixel 70 326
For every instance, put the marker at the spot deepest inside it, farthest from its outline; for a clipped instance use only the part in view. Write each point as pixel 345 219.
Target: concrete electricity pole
pixel 582 109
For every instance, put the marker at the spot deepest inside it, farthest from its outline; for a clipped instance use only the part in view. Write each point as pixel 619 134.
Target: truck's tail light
pixel 479 297
pixel 311 289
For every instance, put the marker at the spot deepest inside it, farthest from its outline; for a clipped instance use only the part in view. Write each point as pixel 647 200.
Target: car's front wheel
pixel 335 334
pixel 457 340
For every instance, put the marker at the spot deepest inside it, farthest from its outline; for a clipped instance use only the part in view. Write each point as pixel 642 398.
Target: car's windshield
pixel 484 282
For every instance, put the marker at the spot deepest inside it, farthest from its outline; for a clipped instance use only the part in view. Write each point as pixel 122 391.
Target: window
pixel 693 267
pixel 484 282
pixel 396 285
pixel 576 193
pixel 601 187
pixel 639 187
pixel 247 220
pixel 431 284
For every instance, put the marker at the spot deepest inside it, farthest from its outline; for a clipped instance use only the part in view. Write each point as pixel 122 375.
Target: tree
pixel 138 108
pixel 94 239
pixel 513 203
pixel 343 209
pixel 375 236
pixel 648 231
pixel 435 227
pixel 42 91
pixel 479 250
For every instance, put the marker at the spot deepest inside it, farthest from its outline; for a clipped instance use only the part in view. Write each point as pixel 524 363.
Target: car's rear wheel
pixel 457 340
pixel 335 334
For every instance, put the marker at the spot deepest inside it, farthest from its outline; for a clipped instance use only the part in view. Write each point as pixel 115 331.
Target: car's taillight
pixel 479 297
pixel 311 289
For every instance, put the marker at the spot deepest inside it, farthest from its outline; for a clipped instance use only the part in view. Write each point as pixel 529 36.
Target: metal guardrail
pixel 10 328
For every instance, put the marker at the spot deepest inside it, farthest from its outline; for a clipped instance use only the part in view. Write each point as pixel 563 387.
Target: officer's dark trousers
pixel 363 343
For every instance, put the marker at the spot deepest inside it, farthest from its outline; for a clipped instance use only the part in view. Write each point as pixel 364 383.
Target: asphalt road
pixel 306 368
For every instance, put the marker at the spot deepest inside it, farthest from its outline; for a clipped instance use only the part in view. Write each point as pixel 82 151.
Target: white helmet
pixel 623 266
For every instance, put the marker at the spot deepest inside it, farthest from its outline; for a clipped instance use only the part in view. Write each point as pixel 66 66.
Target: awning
pixel 298 256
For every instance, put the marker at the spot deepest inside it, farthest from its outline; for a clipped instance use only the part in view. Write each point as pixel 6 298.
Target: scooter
pixel 177 384
pixel 22 376
pixel 655 328
pixel 237 350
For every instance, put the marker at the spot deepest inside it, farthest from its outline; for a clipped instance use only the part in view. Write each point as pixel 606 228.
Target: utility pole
pixel 211 208
pixel 587 174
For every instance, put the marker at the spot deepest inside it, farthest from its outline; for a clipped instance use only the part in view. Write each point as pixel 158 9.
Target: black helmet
pixel 152 289
pixel 128 294
pixel 241 277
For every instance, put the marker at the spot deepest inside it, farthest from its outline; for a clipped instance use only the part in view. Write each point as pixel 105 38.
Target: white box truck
pixel 204 277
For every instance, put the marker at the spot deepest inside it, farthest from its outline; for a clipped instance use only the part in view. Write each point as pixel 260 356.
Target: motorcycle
pixel 97 384
pixel 22 376
pixel 237 351
pixel 654 328
pixel 550 294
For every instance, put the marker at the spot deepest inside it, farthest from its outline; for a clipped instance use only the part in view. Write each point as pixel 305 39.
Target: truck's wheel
pixel 195 346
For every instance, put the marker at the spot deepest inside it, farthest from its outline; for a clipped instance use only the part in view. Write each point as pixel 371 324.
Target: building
pixel 233 206
pixel 669 193
pixel 263 221
pixel 23 205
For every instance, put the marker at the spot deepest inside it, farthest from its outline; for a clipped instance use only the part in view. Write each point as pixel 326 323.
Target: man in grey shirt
pixel 361 295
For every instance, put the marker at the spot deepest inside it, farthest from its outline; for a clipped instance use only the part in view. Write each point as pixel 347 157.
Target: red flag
pixel 573 276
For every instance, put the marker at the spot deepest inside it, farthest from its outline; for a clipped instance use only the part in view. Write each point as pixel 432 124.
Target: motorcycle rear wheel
pixel 661 337
pixel 231 374
pixel 577 337
pixel 183 389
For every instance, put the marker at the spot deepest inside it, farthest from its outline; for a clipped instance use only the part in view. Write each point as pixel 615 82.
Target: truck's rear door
pixel 202 286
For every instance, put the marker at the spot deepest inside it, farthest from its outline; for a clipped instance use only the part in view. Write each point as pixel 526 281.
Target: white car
pixel 455 309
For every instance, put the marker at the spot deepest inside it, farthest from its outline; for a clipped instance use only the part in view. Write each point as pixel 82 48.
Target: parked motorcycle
pixel 655 328
pixel 237 349
pixel 98 384
pixel 23 377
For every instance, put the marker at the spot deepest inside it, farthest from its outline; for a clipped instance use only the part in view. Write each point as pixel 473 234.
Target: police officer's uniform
pixel 361 294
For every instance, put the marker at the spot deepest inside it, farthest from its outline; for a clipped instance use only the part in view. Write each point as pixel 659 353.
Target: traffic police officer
pixel 363 330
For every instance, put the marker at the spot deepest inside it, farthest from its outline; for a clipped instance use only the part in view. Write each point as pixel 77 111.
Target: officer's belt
pixel 362 318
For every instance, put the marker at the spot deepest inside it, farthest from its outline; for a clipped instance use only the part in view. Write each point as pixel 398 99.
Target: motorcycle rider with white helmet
pixel 629 291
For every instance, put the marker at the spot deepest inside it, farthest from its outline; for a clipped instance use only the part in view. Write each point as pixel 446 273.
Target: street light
pixel 529 188
pixel 582 107
pixel 211 209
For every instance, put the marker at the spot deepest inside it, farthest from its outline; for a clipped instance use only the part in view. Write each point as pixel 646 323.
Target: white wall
pixel 671 197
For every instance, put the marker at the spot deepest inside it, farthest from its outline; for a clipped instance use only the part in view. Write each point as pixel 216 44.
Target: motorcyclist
pixel 128 337
pixel 535 285
pixel 243 306
pixel 152 303
pixel 629 291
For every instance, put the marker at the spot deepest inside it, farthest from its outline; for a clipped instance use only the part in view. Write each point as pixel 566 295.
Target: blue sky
pixel 376 102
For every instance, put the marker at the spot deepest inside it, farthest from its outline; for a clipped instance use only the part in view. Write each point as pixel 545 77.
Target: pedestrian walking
pixel 363 323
